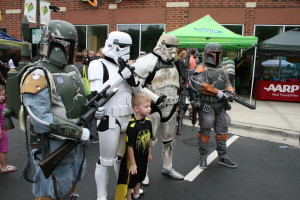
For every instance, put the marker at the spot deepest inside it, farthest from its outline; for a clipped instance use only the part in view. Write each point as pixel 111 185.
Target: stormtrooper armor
pixel 118 110
pixel 210 79
pixel 159 78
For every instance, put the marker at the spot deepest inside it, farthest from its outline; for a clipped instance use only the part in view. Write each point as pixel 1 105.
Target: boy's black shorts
pixel 137 178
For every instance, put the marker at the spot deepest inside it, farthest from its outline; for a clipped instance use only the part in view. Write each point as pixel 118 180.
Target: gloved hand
pixel 160 102
pixel 131 81
pixel 221 95
pixel 100 113
pixel 124 69
pixel 85 134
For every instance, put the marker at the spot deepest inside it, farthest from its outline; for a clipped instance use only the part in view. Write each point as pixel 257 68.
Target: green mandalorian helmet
pixel 58 42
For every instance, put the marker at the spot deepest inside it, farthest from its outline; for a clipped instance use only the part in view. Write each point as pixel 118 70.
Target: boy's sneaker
pixel 227 162
pixel 203 163
pixel 139 198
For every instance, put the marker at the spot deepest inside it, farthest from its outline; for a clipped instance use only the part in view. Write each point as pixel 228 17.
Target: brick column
pixel 176 15
pixel 112 17
pixel 250 18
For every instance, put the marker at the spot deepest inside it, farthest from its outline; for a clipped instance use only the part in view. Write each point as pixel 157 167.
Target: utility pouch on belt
pixel 206 108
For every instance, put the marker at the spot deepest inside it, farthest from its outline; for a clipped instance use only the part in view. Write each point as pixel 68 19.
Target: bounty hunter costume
pixel 112 128
pixel 53 95
pixel 159 78
pixel 209 80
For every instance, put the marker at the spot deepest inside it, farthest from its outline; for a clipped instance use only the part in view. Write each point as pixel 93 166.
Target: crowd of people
pixel 134 100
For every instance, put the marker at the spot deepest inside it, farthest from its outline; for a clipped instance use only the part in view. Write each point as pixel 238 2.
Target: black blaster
pixel 49 163
pixel 183 71
pixel 239 99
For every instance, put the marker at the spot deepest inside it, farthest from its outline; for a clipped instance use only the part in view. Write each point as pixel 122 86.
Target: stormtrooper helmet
pixel 166 47
pixel 117 45
pixel 213 54
pixel 58 42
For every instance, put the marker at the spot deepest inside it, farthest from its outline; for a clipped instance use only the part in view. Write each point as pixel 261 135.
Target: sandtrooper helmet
pixel 213 54
pixel 58 42
pixel 117 45
pixel 166 47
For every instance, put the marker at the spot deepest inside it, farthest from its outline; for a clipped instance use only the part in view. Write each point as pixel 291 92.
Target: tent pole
pixel 253 71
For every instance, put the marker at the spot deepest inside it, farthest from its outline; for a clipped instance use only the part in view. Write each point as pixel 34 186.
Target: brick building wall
pixel 173 13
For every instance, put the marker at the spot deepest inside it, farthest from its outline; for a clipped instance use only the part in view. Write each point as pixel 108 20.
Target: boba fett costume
pixel 53 95
pixel 210 80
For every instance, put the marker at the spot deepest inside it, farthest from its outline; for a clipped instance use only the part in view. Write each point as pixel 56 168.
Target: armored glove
pixel 85 134
pixel 221 95
pixel 124 69
pixel 100 113
pixel 161 102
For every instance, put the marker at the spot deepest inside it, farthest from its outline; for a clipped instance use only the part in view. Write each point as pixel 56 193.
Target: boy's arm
pixel 150 152
pixel 133 167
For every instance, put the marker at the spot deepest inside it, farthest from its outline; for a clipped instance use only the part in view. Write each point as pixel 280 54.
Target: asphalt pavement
pixel 266 151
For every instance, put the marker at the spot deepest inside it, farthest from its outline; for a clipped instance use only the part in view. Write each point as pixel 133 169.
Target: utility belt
pixel 207 102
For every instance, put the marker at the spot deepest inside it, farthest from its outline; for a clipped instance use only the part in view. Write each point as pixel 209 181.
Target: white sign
pixel 283 88
pixel 30 10
pixel 36 36
pixel 45 13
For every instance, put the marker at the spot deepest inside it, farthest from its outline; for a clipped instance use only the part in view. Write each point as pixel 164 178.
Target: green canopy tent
pixel 207 30
pixel 9 42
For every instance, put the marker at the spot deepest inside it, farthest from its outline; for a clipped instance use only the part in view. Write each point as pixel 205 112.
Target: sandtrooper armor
pixel 159 77
pixel 118 110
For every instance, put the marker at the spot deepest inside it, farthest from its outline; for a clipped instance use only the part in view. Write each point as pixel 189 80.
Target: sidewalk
pixel 272 117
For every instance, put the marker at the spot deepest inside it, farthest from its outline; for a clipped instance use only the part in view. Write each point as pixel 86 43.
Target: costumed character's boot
pixel 203 149
pixel 146 181
pixel 221 149
pixel 167 155
pixel 117 167
pixel 101 177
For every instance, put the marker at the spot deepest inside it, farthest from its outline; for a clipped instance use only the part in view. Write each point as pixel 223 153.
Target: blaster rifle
pixel 49 164
pixel 240 100
pixel 183 70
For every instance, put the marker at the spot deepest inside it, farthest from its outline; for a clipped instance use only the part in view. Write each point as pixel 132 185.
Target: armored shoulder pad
pixel 199 69
pixel 34 82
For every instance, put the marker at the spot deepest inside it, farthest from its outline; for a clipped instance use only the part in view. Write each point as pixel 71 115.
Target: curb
pixel 265 129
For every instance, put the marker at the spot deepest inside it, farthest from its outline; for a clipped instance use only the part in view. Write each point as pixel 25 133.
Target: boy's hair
pixel 139 98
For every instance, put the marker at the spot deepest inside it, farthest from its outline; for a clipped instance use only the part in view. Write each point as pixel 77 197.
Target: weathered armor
pixel 53 95
pixel 159 78
pixel 210 80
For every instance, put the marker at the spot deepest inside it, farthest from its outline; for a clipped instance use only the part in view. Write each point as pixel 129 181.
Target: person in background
pixel 241 70
pixel 183 55
pixel 139 133
pixel 12 62
pixel 4 167
pixel 86 58
pixel 192 63
pixel 98 55
pixel 91 53
pixel 78 62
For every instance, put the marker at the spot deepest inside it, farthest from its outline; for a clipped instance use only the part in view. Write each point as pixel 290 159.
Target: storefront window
pixel 236 28
pixel 144 37
pixel 288 28
pixel 91 37
pixel 267 32
pixel 3 29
